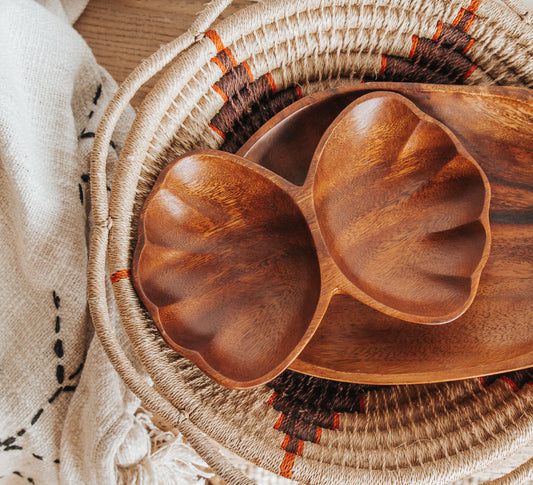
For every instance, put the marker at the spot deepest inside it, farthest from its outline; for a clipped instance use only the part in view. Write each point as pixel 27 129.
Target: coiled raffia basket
pixel 217 86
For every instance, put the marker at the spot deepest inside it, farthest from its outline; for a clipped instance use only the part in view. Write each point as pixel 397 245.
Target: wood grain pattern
pixel 356 343
pixel 227 267
pixel 403 209
pixel 495 335
pixel 237 266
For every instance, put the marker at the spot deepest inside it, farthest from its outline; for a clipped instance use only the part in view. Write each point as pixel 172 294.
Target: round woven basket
pixel 217 85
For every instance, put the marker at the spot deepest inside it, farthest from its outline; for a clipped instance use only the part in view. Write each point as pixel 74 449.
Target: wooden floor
pixel 123 32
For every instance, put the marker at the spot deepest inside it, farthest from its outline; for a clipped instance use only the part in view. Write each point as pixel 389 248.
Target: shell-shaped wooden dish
pixel 402 208
pixel 237 266
pixel 227 267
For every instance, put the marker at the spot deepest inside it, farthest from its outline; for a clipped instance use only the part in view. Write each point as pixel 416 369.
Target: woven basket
pixel 216 88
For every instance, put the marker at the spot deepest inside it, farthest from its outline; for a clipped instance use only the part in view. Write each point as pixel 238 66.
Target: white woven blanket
pixel 65 416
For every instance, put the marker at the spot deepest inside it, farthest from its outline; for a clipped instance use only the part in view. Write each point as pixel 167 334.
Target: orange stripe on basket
pixel 211 34
pixel 271 82
pixel 279 421
pixel 513 385
pixel 318 434
pixel 299 92
pixel 218 62
pixel 231 56
pixel 286 441
pixel 468 46
pixel 300 448
pixel 120 275
pixel 470 71
pixel 222 94
pixel 217 131
pixel 483 382
pixel 474 5
pixel 413 46
pixel 383 65
pixel 271 400
pixel 459 17
pixel 285 470
pixel 248 70
pixel 335 420
pixel 439 31
pixel 361 404
pixel 469 23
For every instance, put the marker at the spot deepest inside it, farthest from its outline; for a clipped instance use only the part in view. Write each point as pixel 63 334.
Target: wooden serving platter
pixel 237 266
pixel 357 343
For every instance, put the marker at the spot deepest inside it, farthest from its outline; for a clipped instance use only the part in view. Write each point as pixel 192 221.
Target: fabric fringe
pixel 168 458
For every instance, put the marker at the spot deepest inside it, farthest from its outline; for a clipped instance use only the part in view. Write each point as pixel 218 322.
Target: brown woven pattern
pixel 307 405
pixel 248 102
pixel 441 59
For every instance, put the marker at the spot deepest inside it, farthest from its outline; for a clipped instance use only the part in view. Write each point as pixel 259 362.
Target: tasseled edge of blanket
pixel 166 457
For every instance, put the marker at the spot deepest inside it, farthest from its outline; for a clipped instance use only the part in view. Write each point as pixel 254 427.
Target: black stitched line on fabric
pixel 76 372
pixel 81 193
pixel 56 460
pixel 37 416
pixel 60 374
pixel 57 300
pixel 90 134
pixel 58 348
pixel 8 444
pixel 30 480
pixel 87 134
pixel 91 114
pixel 85 177
pixel 54 396
pixel 97 94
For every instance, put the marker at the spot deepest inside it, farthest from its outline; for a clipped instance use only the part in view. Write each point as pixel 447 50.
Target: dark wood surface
pixel 356 343
pixel 226 265
pixel 239 267
pixel 403 210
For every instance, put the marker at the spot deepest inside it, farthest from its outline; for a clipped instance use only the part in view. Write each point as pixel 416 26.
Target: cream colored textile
pixel 69 10
pixel 65 415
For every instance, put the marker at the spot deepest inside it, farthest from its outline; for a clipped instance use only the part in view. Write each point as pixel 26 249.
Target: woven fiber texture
pixel 217 87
